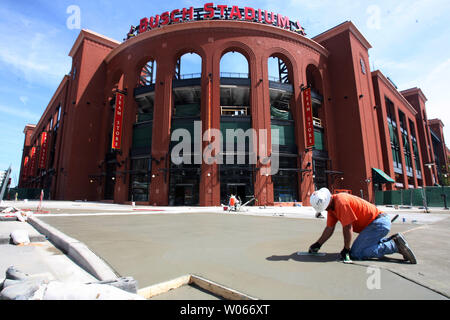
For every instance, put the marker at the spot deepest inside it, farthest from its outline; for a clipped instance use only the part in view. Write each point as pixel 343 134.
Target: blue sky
pixel 410 39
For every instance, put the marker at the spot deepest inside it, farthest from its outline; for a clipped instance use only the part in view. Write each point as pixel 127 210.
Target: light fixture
pixel 429 165
pixel 209 174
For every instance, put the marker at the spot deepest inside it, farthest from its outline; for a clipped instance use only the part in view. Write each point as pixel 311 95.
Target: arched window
pixel 148 74
pixel 188 66
pixel 236 174
pixel 285 181
pixel 234 65
pixel 278 70
pixel 184 179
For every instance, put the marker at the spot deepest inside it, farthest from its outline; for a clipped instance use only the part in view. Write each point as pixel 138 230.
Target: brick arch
pixel 288 59
pixel 191 50
pixel 115 78
pixel 240 47
pixel 314 78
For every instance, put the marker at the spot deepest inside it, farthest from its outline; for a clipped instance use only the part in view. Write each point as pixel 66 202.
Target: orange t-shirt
pixel 349 209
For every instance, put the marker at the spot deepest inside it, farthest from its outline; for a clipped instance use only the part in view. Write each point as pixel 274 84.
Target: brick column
pixel 122 177
pixel 162 115
pixel 210 115
pixel 260 108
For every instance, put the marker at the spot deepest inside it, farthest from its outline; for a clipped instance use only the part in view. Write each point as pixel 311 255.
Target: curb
pixel 6 239
pixel 76 250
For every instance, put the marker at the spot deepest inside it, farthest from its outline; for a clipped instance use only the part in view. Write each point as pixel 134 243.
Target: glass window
pixel 140 179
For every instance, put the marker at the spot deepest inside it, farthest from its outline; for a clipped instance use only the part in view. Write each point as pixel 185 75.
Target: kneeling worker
pixel 360 216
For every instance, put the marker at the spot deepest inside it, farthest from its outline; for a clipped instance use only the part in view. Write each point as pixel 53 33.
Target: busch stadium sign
pixel 218 12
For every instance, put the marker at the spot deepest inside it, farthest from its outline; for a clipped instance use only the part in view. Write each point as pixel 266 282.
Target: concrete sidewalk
pixel 39 258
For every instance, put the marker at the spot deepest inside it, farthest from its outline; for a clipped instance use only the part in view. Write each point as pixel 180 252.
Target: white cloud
pixel 24 99
pixel 19 112
pixel 35 54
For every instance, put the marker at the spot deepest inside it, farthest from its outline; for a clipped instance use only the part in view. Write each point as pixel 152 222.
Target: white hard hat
pixel 320 199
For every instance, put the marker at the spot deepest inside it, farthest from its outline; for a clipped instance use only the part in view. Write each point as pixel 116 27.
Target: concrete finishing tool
pixel 317 254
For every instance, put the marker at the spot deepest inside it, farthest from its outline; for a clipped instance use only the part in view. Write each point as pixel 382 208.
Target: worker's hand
pixel 315 248
pixel 344 253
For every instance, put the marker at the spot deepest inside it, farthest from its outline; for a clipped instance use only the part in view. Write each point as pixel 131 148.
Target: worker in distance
pixel 360 216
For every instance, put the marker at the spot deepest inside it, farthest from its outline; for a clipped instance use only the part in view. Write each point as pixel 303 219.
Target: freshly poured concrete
pixel 254 255
pixel 187 292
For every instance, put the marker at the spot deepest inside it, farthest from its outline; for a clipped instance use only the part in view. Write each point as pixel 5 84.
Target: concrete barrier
pixel 76 250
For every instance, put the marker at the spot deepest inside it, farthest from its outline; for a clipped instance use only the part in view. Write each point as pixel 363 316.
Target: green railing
pixel 414 197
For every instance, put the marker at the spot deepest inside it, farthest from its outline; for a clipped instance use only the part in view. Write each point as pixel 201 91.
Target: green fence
pixel 414 197
pixel 22 194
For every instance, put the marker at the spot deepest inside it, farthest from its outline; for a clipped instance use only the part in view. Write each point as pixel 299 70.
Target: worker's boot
pixel 404 249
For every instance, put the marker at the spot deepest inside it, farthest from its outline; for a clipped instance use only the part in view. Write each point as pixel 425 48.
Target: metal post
pixel 444 196
pixel 424 198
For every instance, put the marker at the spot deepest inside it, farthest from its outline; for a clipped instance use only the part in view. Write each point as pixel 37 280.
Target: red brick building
pixel 368 135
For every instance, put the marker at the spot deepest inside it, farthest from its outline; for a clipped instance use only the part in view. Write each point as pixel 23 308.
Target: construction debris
pixel 12 212
pixel 20 237
pixel 20 286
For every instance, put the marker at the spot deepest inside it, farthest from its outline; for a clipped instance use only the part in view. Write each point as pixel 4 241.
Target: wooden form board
pixel 207 285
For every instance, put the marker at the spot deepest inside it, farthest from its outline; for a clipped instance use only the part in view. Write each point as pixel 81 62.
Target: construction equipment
pixel 235 204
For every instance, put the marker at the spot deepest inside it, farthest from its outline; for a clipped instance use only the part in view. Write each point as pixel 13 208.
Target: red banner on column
pixel 32 172
pixel 44 151
pixel 309 124
pixel 25 169
pixel 118 118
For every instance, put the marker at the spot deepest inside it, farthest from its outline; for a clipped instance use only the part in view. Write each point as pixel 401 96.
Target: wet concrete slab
pixel 187 292
pixel 254 255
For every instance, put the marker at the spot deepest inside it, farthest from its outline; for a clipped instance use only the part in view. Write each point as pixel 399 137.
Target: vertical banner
pixel 309 124
pixel 118 118
pixel 25 169
pixel 32 172
pixel 44 151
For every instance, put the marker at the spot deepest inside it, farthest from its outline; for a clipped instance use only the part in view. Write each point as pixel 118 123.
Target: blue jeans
pixel 371 242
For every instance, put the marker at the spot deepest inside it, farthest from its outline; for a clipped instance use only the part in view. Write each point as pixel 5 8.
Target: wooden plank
pixel 164 287
pixel 219 290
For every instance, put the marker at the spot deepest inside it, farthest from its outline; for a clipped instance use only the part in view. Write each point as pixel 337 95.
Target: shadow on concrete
pixel 385 259
pixel 329 257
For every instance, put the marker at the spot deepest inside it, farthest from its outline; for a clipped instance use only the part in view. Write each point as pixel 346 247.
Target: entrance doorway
pixel 184 195
pixel 320 167
pixel 237 180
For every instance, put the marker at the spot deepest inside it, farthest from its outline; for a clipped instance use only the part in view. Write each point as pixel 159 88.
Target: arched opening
pixel 185 168
pixel 141 146
pixel 237 171
pixel 281 92
pixel 147 76
pixel 320 153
